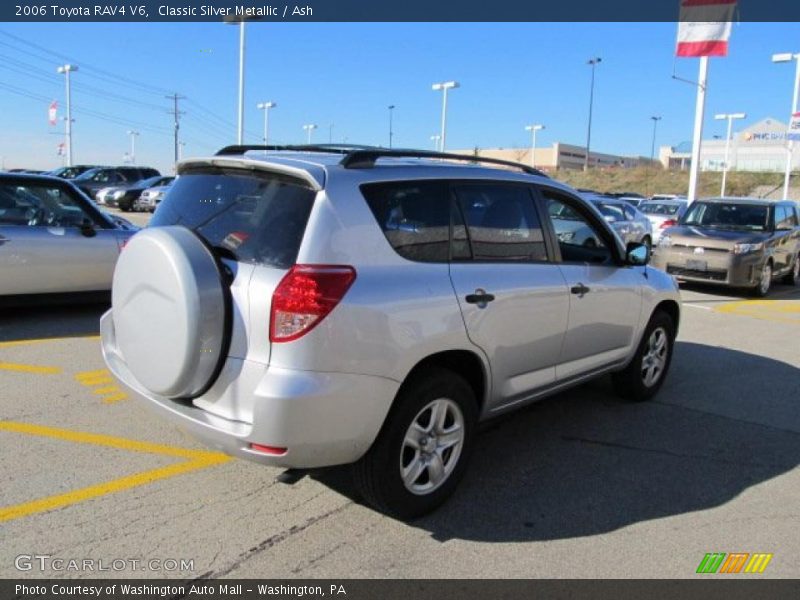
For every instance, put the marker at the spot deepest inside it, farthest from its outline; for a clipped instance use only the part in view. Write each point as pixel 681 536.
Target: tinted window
pixel 414 217
pixel 659 208
pixel 630 214
pixel 610 210
pixel 728 216
pixel 39 205
pixel 252 217
pixel 502 222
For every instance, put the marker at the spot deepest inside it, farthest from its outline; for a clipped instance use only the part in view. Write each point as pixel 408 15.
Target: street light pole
pixel 309 128
pixel 66 70
pixel 593 62
pixel 730 118
pixel 391 132
pixel 533 129
pixel 133 135
pixel 265 106
pixel 780 58
pixel 435 139
pixel 653 145
pixel 444 86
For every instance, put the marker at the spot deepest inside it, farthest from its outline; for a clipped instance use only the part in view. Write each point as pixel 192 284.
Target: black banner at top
pixel 376 10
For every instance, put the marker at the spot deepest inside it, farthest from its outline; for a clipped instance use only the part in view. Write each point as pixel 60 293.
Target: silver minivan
pixel 324 306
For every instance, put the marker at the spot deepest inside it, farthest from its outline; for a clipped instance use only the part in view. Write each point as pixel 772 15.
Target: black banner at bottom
pixel 412 589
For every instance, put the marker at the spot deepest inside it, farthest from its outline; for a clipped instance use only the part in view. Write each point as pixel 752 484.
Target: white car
pixel 663 214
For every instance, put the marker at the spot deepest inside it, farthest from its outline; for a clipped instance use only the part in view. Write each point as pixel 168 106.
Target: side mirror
pixel 87 228
pixel 637 254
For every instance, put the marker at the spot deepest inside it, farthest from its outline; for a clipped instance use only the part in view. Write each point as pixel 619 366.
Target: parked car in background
pixel 71 172
pixel 663 214
pixel 93 180
pixel 311 308
pixel 54 241
pixel 737 242
pixel 125 197
pixel 152 197
pixel 627 221
pixel 629 197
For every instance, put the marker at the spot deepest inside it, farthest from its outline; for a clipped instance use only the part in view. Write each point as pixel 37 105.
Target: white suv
pixel 323 305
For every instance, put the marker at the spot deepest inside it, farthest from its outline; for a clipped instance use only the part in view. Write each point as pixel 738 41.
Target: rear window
pixel 659 208
pixel 248 216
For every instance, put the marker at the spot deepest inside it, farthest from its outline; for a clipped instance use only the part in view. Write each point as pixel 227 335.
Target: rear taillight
pixel 305 296
pixel 669 223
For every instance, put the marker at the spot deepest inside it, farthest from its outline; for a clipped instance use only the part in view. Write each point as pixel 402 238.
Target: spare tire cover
pixel 169 310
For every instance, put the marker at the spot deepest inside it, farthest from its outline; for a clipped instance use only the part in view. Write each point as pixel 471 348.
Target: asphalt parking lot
pixel 579 485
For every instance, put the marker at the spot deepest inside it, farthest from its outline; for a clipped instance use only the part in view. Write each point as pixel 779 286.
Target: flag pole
pixel 699 112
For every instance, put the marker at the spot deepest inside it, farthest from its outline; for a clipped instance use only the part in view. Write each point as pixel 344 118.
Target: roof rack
pixel 331 148
pixel 365 159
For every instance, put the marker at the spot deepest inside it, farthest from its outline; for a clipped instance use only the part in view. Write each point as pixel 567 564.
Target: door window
pixel 579 240
pixel 501 222
pixel 38 205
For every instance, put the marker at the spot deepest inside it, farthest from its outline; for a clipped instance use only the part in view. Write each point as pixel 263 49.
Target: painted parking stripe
pixel 192 460
pixel 103 384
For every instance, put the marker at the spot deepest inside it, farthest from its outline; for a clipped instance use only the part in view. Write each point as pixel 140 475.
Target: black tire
pixel 631 383
pixel 377 475
pixel 765 283
pixel 793 276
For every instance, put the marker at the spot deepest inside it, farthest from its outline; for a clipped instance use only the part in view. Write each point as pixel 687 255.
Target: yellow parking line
pixel 115 398
pixel 29 369
pixel 105 390
pixel 105 440
pixel 117 485
pixel 194 460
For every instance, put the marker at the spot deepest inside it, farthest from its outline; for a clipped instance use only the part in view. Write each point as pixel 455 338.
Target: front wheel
pixel 645 374
pixel 422 451
pixel 765 282
pixel 793 276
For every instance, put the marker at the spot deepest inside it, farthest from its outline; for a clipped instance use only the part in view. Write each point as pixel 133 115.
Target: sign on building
pixel 794 128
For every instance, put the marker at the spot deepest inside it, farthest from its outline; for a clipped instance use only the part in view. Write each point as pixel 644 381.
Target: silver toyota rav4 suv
pixel 323 306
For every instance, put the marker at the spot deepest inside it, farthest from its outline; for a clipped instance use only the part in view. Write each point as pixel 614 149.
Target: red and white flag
pixel 704 27
pixel 52 113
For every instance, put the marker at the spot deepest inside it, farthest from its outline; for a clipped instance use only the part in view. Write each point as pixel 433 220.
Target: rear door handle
pixel 580 290
pixel 480 297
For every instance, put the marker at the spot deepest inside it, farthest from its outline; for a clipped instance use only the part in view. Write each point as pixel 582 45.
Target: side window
pixel 578 238
pixel 414 217
pixel 501 222
pixel 38 205
pixel 630 213
pixel 780 217
pixel 792 215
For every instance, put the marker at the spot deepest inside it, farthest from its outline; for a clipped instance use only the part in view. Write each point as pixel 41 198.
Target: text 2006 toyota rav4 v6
pixel 324 306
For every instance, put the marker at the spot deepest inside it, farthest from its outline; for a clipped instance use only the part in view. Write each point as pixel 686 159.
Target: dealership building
pixel 760 147
pixel 559 156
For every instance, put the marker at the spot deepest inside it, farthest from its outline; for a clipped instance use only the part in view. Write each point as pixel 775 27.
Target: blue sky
pixel 347 74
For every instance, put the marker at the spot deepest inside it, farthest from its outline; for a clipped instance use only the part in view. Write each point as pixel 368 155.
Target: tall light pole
pixel 66 70
pixel 309 128
pixel 133 135
pixel 330 133
pixel 265 106
pixel 240 20
pixel 391 131
pixel 593 62
pixel 781 58
pixel 444 86
pixel 533 129
pixel 435 139
pixel 730 118
pixel 655 120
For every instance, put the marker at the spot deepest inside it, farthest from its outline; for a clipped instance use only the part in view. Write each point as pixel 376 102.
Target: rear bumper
pixel 322 419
